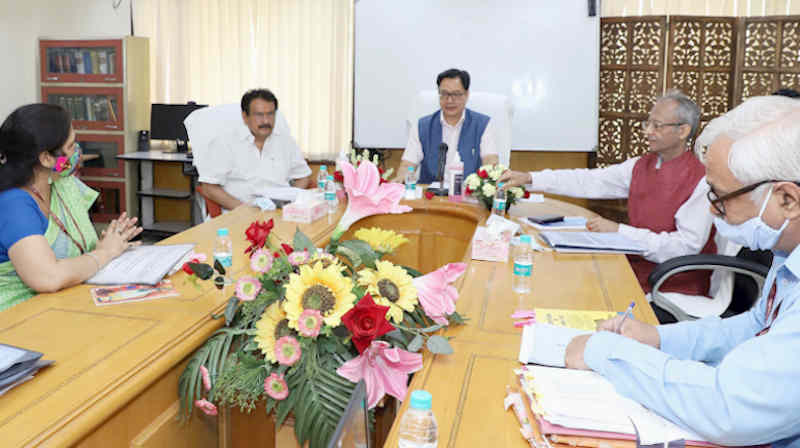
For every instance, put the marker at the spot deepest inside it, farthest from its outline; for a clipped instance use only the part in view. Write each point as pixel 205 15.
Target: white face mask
pixel 753 233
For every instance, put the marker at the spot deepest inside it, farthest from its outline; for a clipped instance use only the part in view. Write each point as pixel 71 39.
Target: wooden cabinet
pixel 105 86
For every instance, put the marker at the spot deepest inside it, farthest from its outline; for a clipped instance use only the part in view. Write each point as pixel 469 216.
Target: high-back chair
pixel 206 124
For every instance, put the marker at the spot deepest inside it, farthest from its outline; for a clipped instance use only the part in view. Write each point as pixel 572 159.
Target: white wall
pixel 22 22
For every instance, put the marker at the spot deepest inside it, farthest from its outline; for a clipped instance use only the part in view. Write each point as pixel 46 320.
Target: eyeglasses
pixel 719 201
pixel 451 95
pixel 657 125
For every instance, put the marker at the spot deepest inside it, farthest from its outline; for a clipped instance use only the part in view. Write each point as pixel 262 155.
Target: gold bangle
pixel 96 261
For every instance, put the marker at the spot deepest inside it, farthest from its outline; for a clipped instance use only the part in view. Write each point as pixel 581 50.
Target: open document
pixel 592 242
pixel 583 403
pixel 143 265
pixel 18 365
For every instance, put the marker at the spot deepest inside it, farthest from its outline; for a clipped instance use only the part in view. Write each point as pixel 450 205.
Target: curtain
pixel 212 51
pixel 741 8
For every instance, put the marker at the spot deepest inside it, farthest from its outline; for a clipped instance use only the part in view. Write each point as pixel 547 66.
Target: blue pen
pixel 625 316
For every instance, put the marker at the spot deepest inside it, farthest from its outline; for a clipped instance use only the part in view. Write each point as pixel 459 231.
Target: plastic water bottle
pixel 523 266
pixel 322 177
pixel 411 184
pixel 418 426
pixel 499 204
pixel 223 248
pixel 330 195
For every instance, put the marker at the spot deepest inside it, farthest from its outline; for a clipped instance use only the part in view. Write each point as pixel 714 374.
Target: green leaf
pixel 302 242
pixel 364 251
pixel 219 267
pixel 230 310
pixel 412 272
pixel 432 328
pixel 457 319
pixel 439 345
pixel 416 344
pixel 202 270
pixel 351 255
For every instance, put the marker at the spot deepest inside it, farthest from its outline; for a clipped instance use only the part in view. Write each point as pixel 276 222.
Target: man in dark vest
pixel 667 206
pixel 469 135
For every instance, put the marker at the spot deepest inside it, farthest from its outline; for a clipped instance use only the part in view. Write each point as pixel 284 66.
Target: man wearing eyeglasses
pixel 469 135
pixel 667 208
pixel 732 381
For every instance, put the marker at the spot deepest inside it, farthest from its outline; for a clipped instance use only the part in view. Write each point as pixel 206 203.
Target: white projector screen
pixel 542 54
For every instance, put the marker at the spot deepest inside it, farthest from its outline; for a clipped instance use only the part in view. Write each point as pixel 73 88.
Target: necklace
pixel 50 214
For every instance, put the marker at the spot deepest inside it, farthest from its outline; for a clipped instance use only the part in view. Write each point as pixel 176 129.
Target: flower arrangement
pixel 483 185
pixel 309 323
pixel 355 158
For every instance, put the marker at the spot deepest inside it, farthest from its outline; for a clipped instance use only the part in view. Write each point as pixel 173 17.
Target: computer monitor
pixel 353 428
pixel 166 122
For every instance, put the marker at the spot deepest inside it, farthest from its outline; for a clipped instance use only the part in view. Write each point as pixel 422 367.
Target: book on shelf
pixel 95 61
pixel 102 59
pixel 87 62
pixel 80 63
pixel 112 61
pixel 112 115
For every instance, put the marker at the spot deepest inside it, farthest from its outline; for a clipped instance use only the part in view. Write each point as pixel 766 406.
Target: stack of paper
pixel 592 242
pixel 142 265
pixel 18 365
pixel 583 403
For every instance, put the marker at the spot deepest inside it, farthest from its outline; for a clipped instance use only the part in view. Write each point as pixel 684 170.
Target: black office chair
pixel 750 270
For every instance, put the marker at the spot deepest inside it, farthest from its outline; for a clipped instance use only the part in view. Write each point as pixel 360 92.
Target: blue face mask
pixel 753 233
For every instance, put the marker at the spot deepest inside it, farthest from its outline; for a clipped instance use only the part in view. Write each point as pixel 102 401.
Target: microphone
pixel 442 190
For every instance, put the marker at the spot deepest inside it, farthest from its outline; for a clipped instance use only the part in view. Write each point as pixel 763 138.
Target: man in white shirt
pixel 667 206
pixel 469 135
pixel 245 162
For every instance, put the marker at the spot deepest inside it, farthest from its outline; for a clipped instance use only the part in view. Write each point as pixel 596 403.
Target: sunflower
pixel 380 240
pixel 318 288
pixel 272 326
pixel 390 286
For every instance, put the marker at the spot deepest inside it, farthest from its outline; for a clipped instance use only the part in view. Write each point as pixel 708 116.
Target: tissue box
pixel 486 247
pixel 306 212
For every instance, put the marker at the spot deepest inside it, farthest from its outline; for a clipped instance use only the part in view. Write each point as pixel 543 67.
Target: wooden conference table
pixel 114 381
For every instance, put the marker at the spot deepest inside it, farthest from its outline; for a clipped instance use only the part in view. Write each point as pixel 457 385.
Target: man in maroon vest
pixel 667 206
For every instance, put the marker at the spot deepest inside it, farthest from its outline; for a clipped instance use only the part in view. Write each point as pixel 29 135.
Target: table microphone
pixel 442 190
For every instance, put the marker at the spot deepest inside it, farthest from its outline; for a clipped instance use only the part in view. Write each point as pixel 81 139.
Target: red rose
pixel 483 174
pixel 526 194
pixel 366 321
pixel 276 254
pixel 287 248
pixel 468 191
pixel 429 194
pixel 338 176
pixel 257 234
pixel 187 269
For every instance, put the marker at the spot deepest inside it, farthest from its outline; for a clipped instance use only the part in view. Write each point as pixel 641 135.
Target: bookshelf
pixel 105 86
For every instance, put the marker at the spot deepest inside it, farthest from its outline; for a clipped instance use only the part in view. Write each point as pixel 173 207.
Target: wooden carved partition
pixel 768 55
pixel 701 62
pixel 631 78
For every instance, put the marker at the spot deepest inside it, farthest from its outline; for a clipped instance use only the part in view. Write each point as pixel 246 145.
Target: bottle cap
pixel 330 177
pixel 499 185
pixel 222 231
pixel 323 168
pixel 410 168
pixel 525 239
pixel 421 399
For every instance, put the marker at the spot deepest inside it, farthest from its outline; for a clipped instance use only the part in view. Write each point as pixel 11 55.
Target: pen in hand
pixel 625 316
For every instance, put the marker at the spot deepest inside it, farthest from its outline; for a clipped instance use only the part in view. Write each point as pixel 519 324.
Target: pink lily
pixel 383 369
pixel 366 196
pixel 206 406
pixel 436 295
pixel 206 378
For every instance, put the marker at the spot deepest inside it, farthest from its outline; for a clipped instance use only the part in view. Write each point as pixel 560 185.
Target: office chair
pixel 736 283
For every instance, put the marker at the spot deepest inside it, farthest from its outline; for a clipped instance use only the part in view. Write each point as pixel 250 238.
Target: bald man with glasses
pixel 667 206
pixel 469 135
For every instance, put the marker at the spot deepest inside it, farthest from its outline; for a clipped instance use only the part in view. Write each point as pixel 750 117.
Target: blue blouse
pixel 20 217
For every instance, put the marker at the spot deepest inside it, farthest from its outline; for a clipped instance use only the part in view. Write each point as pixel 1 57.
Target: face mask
pixel 66 166
pixel 753 233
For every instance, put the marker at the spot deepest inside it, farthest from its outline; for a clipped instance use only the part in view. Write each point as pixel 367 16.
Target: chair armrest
pixel 705 262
